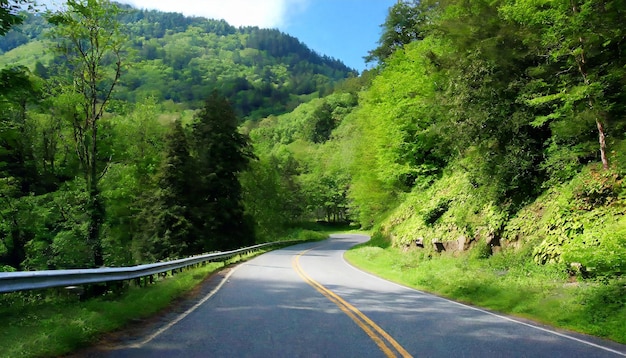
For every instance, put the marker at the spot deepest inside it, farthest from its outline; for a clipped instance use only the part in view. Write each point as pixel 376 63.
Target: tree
pixel 220 154
pixel 272 194
pixel 406 22
pixel 167 214
pixel 321 124
pixel 88 35
pixel 19 175
pixel 9 16
pixel 580 82
pixel 17 89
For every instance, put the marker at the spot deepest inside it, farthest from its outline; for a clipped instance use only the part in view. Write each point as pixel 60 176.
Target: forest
pixel 486 126
pixel 498 125
pixel 181 60
pixel 120 140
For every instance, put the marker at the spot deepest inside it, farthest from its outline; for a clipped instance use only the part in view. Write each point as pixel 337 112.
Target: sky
pixel 342 29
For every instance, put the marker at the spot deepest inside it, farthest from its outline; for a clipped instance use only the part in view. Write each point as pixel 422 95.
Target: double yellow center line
pixel 383 340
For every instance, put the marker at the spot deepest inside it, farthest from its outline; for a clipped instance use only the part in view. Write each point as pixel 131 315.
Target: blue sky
pixel 343 29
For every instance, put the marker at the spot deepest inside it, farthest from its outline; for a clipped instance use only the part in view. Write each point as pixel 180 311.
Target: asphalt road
pixel 306 301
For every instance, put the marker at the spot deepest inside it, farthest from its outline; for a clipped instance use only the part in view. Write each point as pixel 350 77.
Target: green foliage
pixel 449 209
pixel 184 59
pixel 480 251
pixel 398 147
pixel 580 82
pixel 301 174
pixel 88 36
pixel 166 212
pixel 576 226
pixel 406 21
pixel 602 253
pixel 321 125
pixel 272 195
pixel 220 153
pixel 596 188
pixel 9 14
pixel 433 214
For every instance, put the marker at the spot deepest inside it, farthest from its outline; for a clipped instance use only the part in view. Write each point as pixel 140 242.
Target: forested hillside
pixel 183 59
pixel 485 151
pixel 119 131
pixel 487 126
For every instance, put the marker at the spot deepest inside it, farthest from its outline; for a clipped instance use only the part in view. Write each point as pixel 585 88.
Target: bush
pixel 433 214
pixel 601 253
pixel 481 251
pixel 7 268
pixel 597 187
pixel 378 239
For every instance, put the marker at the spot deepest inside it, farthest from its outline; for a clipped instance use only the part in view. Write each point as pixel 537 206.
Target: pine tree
pixel 220 154
pixel 167 215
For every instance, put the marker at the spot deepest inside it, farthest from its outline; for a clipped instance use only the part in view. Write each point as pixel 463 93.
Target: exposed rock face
pixel 463 243
pixel 438 245
pixel 493 240
pixel 458 245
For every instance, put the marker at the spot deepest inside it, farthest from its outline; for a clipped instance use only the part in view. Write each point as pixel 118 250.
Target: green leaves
pixel 9 16
pixel 220 153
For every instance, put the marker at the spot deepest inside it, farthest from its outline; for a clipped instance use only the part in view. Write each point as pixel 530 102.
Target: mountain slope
pixel 184 59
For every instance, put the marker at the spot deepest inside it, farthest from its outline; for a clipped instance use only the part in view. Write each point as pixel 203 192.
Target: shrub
pixel 601 253
pixel 432 215
pixel 597 187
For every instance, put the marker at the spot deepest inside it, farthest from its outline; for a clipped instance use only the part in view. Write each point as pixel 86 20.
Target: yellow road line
pixel 364 322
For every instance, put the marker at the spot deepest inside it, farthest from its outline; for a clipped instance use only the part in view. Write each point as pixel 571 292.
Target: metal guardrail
pixel 33 280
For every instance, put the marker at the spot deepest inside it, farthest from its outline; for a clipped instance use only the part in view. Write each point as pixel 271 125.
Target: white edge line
pixel 185 314
pixel 487 312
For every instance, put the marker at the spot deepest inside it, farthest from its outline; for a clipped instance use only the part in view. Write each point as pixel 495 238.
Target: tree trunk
pixel 601 139
pixel 581 62
pixel 96 218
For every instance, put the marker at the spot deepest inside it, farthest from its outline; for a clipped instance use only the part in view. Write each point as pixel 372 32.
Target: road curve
pixel 306 301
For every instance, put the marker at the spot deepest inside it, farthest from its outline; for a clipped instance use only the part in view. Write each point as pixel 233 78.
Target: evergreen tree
pixel 220 154
pixel 167 214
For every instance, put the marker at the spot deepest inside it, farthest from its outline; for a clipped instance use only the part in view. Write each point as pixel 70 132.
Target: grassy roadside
pixel 52 323
pixel 508 283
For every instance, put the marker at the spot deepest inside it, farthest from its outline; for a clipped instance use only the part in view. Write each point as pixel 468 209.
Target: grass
pixel 506 282
pixel 52 322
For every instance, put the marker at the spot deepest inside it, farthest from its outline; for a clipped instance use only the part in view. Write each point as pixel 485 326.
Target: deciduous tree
pixel 88 35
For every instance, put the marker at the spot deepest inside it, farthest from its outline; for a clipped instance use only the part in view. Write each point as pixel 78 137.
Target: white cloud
pixel 262 13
